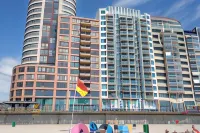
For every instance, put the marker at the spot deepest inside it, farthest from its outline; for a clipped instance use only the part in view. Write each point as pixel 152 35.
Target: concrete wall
pixel 98 119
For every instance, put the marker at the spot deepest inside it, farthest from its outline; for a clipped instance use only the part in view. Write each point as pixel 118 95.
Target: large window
pixel 29 84
pixel 28 92
pixel 61 85
pixel 61 93
pixel 62 70
pixel 44 92
pixel 18 92
pixel 45 84
pixel 31 69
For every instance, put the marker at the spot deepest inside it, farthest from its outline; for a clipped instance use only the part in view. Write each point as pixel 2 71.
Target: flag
pixel 81 88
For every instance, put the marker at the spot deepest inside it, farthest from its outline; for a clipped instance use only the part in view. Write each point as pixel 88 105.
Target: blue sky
pixel 13 17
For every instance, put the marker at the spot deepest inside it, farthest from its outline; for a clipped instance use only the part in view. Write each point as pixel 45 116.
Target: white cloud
pixel 6 66
pixel 130 3
pixel 178 6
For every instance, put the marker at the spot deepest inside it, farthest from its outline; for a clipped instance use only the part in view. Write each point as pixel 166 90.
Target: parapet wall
pixel 99 118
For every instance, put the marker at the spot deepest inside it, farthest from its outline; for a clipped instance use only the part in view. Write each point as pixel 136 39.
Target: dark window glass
pixel 20 84
pixel 75 51
pixel 18 92
pixel 21 69
pixel 61 93
pixel 62 70
pixel 29 84
pixel 28 92
pixel 61 85
pixel 64 31
pixel 45 84
pixel 44 92
pixel 31 69
pixel 94 94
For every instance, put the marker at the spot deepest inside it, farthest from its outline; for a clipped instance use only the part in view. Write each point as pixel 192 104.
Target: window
pixel 29 84
pixel 64 25
pixel 18 92
pixel 74 58
pixel 104 86
pixel 21 77
pixel 31 69
pixel 21 69
pixel 62 64
pixel 103 72
pixel 103 40
pixel 94 94
pixel 103 12
pixel 28 92
pixel 43 59
pixel 62 78
pixel 44 92
pixel 62 70
pixel 64 31
pixel 103 17
pixel 74 64
pixel 61 93
pixel 74 71
pixel 103 22
pixel 62 57
pixel 19 84
pixel 103 65
pixel 104 93
pixel 75 51
pixel 61 85
pixel 64 44
pixel 103 46
pixel 64 19
pixel 62 50
pixel 103 79
pixel 45 84
pixel 103 28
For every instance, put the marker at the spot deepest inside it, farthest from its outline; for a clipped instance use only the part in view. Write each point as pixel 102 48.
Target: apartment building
pixel 193 46
pixel 175 85
pixel 127 79
pixel 67 48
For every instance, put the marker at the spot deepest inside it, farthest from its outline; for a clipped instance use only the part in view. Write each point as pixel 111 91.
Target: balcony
pixel 86 23
pixel 146 63
pixel 85 47
pixel 85 67
pixel 110 30
pixel 85 35
pixel 143 29
pixel 83 41
pixel 110 36
pixel 149 97
pixel 85 60
pixel 147 76
pixel 123 27
pixel 126 96
pixel 147 70
pixel 111 95
pixel 124 50
pixel 110 48
pixel 84 74
pixel 146 58
pixel 125 75
pixel 85 29
pixel 124 62
pixel 85 54
pixel 111 61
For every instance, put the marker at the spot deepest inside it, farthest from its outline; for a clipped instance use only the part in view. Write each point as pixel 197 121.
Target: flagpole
pixel 73 111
